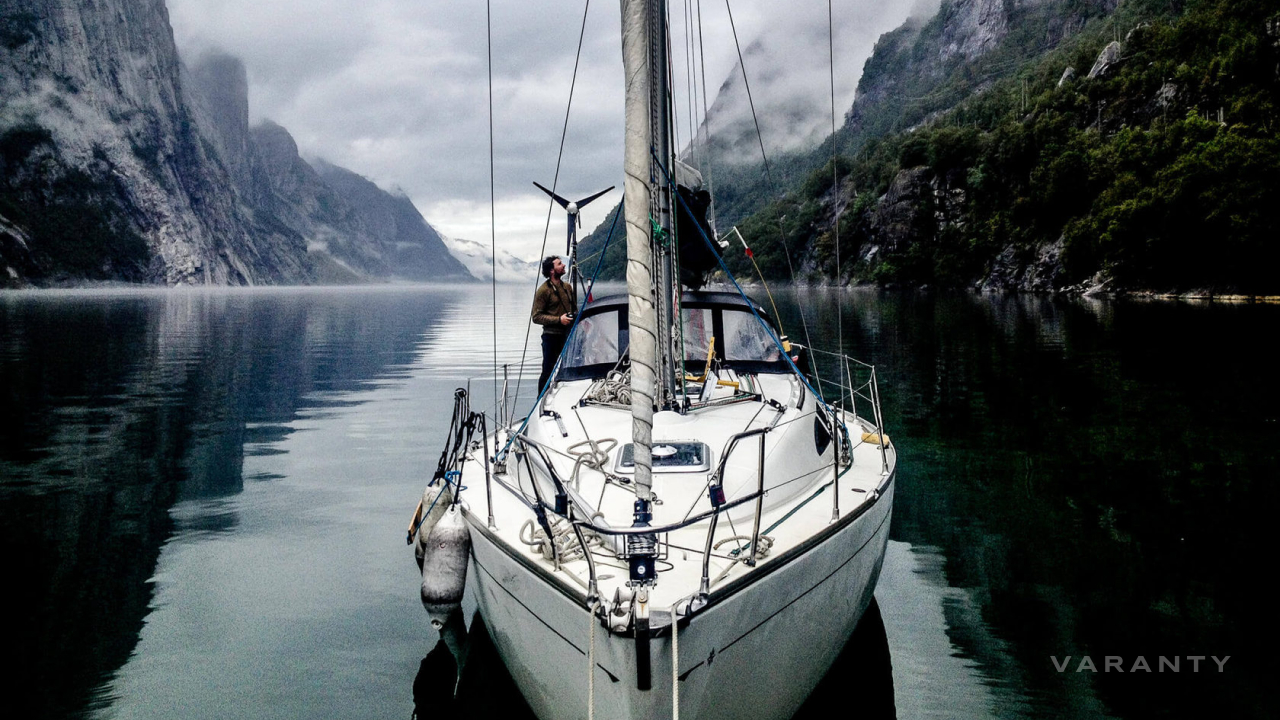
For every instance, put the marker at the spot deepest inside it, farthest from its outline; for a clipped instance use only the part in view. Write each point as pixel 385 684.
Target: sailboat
pixel 686 523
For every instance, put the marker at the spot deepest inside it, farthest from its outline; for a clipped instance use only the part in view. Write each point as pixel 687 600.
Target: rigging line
pixel 555 371
pixel 690 86
pixel 674 147
pixel 835 173
pixel 693 54
pixel 564 131
pixel 786 251
pixel 751 305
pixel 747 83
pixel 706 127
pixel 493 222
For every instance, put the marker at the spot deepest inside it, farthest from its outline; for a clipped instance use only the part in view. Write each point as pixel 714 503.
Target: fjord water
pixel 204 495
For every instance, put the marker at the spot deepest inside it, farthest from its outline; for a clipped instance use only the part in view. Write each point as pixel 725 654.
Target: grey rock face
pixel 405 244
pixel 1034 269
pixel 901 216
pixel 117 163
pixel 218 88
pixel 921 206
pixel 351 230
pixel 914 58
pixel 972 27
pixel 1068 75
pixel 1109 56
pixel 112 179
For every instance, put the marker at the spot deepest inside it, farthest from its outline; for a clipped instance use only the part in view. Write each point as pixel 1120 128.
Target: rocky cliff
pixel 105 175
pixel 397 241
pixel 929 65
pixel 119 163
pixel 1079 146
pixel 1057 145
pixel 352 229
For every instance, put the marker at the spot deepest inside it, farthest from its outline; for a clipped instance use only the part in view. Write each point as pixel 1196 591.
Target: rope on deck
pixel 675 664
pixel 591 666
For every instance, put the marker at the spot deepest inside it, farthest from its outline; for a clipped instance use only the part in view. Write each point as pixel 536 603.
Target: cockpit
pixel 716 325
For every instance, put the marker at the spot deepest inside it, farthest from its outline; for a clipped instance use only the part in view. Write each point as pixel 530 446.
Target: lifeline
pixel 1115 663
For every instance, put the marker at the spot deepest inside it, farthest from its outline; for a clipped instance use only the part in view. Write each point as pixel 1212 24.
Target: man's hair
pixel 548 263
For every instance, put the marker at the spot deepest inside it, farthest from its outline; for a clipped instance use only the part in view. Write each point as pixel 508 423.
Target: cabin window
pixel 698 331
pixel 595 341
pixel 747 340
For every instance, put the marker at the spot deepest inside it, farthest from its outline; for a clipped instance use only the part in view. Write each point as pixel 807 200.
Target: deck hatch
pixel 673 457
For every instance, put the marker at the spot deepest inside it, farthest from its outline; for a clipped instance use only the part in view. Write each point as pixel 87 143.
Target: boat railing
pixel 720 505
pixel 857 382
pixel 857 386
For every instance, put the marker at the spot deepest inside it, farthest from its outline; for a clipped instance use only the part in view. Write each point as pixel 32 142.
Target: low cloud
pixel 397 90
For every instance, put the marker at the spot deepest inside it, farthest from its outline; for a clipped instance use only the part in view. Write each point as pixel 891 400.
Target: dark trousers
pixel 552 346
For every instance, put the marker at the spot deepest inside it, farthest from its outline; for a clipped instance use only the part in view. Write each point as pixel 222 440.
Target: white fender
pixel 444 567
pixel 438 497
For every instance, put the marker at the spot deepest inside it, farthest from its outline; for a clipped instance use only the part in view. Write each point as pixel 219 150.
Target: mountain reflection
pixel 203 495
pixel 1095 476
pixel 122 406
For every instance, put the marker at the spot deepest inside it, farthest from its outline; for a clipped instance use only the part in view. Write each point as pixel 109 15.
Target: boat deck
pixel 797 506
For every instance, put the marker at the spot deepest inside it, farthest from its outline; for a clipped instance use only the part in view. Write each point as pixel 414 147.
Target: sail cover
pixel 637 15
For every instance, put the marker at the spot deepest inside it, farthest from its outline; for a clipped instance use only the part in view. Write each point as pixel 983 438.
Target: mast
pixel 663 247
pixel 637 52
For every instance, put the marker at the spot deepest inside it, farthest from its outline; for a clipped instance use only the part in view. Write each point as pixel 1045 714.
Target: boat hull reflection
pixel 485 688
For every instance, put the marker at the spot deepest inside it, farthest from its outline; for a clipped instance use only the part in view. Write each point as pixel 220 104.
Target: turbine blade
pixel 586 200
pixel 563 203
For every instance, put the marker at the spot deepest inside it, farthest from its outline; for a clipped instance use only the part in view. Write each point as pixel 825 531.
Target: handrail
pixel 622 531
pixel 540 508
pixel 717 484
pixel 755 531
pixel 869 391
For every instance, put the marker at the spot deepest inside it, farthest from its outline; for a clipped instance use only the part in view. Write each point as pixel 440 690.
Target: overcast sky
pixel 396 90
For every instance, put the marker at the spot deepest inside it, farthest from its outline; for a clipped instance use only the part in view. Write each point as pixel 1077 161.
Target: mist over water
pixel 204 498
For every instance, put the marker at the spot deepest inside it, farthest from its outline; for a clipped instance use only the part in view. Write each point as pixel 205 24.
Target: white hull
pixel 766 533
pixel 757 651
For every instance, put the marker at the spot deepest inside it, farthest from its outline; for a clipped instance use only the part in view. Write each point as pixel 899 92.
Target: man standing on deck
pixel 553 307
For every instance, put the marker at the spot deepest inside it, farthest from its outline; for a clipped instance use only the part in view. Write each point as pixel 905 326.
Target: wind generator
pixel 575 221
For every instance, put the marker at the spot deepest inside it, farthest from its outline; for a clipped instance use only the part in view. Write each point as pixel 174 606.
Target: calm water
pixel 203 498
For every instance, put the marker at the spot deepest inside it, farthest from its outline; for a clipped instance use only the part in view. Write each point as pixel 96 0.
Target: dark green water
pixel 203 499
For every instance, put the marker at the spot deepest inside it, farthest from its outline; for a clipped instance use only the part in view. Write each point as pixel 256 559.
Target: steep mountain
pixel 478 258
pixel 928 66
pixel 790 97
pixel 120 163
pixel 1050 145
pixel 399 241
pixel 104 173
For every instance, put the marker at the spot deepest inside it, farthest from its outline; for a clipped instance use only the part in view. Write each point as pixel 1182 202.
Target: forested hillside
pixel 1155 166
pixel 1083 145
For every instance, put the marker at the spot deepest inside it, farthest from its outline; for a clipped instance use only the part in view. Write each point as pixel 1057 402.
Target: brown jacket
pixel 549 303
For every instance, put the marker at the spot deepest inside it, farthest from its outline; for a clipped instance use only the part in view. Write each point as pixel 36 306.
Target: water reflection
pixel 203 495
pixel 132 416
pixel 1095 475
